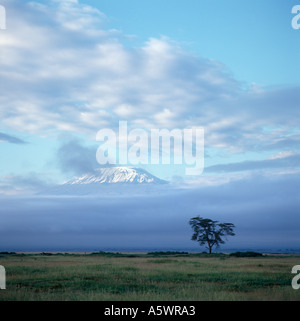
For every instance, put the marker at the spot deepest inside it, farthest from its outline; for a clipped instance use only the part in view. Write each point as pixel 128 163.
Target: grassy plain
pixel 148 277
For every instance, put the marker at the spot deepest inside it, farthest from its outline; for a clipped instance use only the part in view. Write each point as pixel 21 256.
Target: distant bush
pixel 101 253
pixel 113 254
pixel 206 254
pixel 8 253
pixel 246 254
pixel 167 253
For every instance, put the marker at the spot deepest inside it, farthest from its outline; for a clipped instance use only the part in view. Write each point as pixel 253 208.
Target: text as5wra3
pixel 153 310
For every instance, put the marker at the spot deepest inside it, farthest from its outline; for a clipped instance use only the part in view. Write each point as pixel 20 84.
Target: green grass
pixel 177 276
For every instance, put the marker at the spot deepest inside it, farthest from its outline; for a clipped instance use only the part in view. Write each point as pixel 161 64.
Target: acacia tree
pixel 212 233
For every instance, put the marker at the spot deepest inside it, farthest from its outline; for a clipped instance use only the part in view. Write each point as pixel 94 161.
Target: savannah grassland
pixel 147 277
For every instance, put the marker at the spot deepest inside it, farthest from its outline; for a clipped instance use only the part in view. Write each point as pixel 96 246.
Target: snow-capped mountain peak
pixel 113 175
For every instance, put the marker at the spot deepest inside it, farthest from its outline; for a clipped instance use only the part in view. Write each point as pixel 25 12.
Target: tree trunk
pixel 209 247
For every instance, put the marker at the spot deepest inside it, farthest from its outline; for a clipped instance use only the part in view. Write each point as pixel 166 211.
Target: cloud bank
pixel 11 139
pixel 265 212
pixel 71 74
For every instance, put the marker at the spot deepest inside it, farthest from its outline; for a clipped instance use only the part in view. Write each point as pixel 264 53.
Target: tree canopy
pixel 209 232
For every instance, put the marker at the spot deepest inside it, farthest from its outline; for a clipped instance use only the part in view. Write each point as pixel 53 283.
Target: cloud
pixel 26 184
pixel 11 139
pixel 281 155
pixel 265 211
pixel 74 75
pixel 281 161
pixel 76 158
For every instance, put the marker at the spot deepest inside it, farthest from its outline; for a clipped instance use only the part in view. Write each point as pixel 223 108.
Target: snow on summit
pixel 117 175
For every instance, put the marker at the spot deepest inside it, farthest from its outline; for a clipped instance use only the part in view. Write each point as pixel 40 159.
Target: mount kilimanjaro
pixel 110 180
pixel 117 175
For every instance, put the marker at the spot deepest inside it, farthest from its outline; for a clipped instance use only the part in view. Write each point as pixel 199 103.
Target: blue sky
pixel 70 68
pixel 252 38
